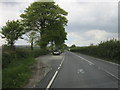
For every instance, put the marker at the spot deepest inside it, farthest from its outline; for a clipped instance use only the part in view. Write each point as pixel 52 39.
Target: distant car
pixel 56 52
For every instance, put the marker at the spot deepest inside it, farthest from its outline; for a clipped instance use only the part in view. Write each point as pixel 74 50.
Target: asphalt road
pixel 81 71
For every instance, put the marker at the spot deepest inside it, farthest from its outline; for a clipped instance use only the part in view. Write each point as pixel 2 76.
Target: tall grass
pixel 17 66
pixel 17 73
pixel 108 50
pixel 10 56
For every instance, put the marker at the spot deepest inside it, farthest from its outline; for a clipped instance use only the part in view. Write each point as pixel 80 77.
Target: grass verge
pixel 17 66
pixel 17 73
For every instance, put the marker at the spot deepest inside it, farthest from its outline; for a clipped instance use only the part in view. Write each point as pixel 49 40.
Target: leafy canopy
pixel 47 19
pixel 12 31
pixel 41 15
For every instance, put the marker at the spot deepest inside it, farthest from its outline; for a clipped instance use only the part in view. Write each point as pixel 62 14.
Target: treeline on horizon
pixel 108 50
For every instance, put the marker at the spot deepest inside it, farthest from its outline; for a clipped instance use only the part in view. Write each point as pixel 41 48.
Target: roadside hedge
pixel 108 50
pixel 16 65
pixel 9 56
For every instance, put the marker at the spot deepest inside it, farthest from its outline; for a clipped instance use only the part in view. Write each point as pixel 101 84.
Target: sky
pixel 89 21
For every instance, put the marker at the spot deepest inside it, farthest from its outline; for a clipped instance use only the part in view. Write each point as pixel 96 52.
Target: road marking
pixel 51 81
pixel 61 62
pixel 54 76
pixel 107 61
pixel 102 60
pixel 80 71
pixel 58 68
pixel 90 64
pixel 98 67
pixel 85 59
pixel 109 73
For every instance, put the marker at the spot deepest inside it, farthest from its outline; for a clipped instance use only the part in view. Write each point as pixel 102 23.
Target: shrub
pixel 108 50
pixel 9 55
pixel 39 52
pixel 16 65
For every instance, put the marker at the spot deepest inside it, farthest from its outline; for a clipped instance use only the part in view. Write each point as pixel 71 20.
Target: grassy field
pixel 17 66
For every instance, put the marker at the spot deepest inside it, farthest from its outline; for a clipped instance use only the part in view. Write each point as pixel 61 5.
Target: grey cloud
pixel 83 17
pixel 79 27
pixel 88 16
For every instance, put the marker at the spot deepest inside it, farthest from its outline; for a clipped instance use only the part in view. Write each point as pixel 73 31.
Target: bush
pixel 23 53
pixel 108 50
pixel 16 65
pixel 9 56
pixel 39 52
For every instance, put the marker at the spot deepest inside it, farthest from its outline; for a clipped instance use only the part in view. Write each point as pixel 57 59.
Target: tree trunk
pixel 52 46
pixel 32 45
pixel 12 46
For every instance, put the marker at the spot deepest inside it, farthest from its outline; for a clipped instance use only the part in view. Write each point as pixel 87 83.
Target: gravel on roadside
pixel 39 70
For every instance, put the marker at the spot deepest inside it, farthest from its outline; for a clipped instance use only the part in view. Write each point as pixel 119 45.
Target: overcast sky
pixel 89 22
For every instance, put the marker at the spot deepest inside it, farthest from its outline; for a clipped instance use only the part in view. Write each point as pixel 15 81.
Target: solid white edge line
pixel 53 78
pixel 104 60
pixel 110 74
pixel 98 67
pixel 107 61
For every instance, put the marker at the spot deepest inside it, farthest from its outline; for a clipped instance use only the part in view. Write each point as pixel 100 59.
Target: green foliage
pixel 31 38
pixel 39 52
pixel 41 14
pixel 12 31
pixel 73 46
pixel 16 65
pixel 17 73
pixel 64 47
pixel 9 56
pixel 109 50
pixel 57 37
pixel 47 19
pixel 44 18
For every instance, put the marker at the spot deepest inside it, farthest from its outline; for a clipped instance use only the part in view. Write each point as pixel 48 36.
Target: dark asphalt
pixel 78 73
pixel 54 64
pixel 112 68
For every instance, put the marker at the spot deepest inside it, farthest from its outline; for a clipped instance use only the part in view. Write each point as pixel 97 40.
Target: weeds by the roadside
pixel 17 66
pixel 17 73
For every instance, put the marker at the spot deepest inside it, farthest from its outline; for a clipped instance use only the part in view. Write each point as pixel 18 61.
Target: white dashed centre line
pixel 54 76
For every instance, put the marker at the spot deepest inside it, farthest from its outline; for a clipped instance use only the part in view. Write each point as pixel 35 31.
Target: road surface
pixel 80 71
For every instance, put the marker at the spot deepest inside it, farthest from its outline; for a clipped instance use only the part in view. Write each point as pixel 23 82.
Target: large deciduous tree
pixel 56 38
pixel 42 16
pixel 12 31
